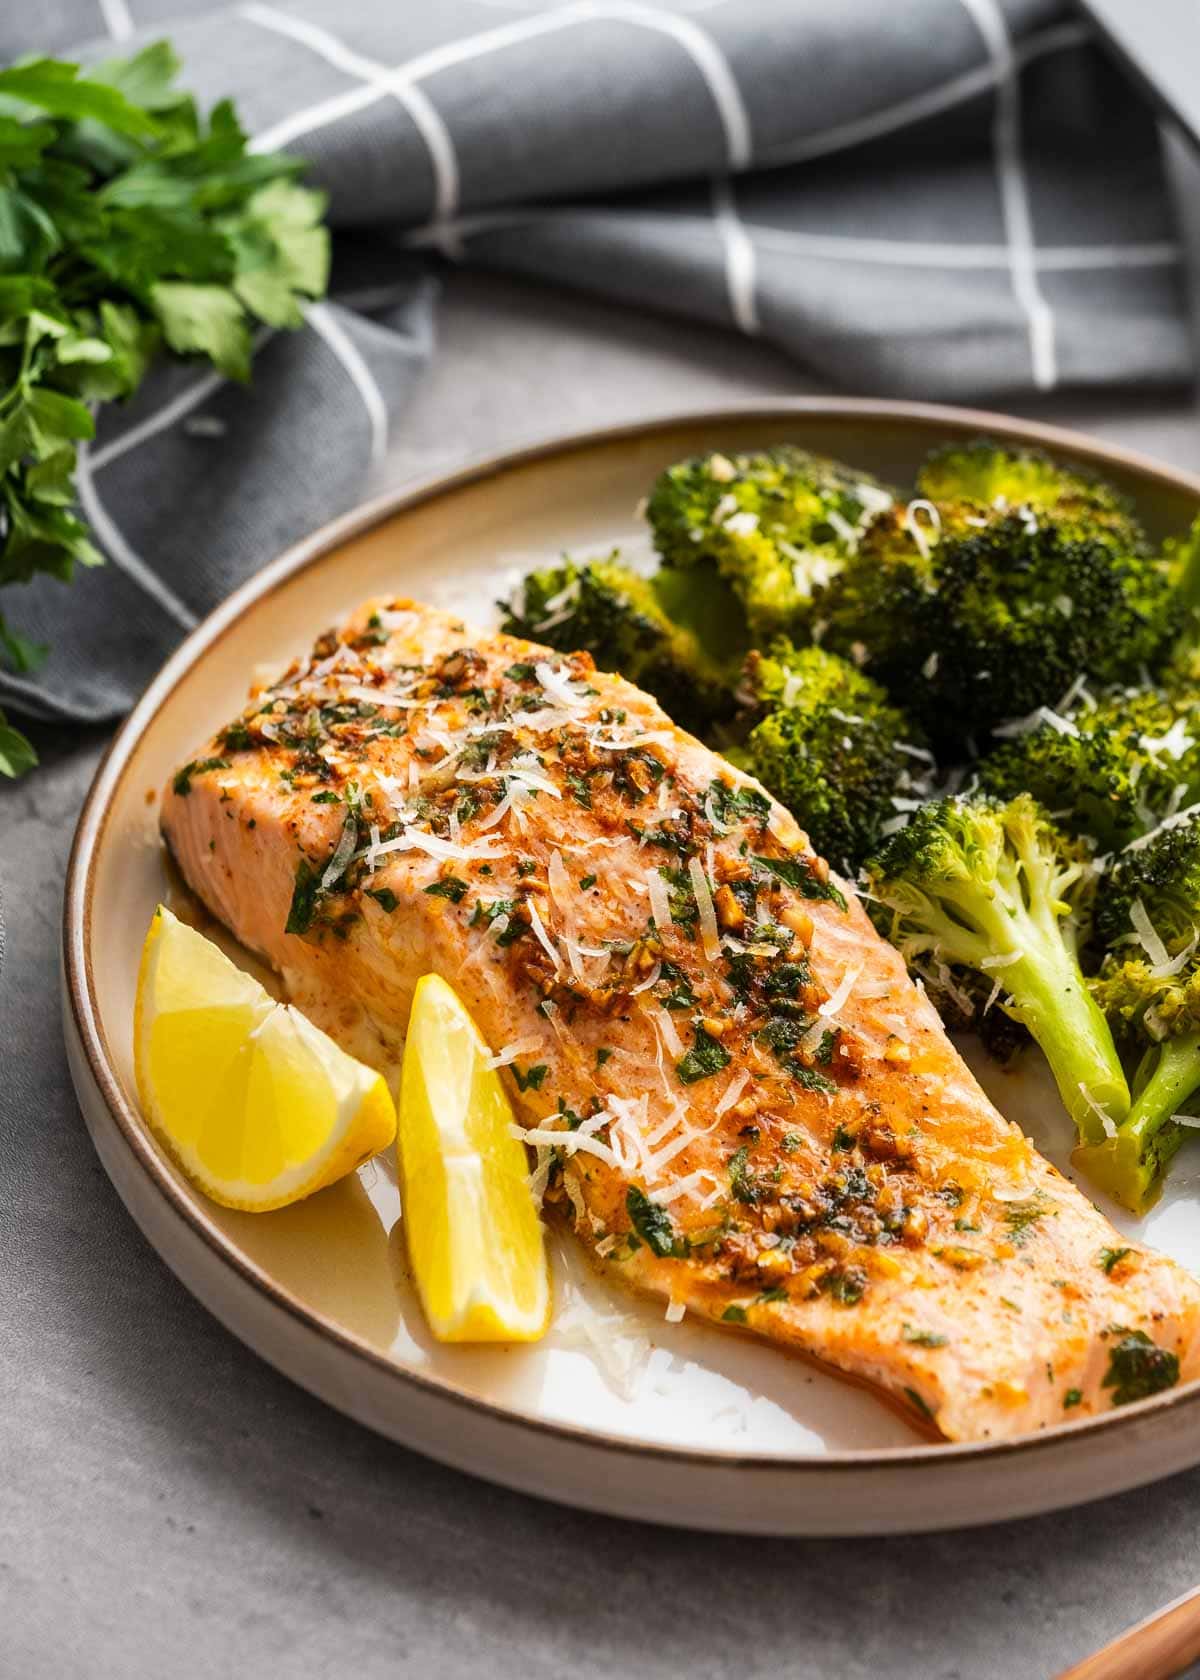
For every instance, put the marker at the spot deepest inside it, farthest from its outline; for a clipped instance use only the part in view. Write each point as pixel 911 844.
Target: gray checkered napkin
pixel 951 198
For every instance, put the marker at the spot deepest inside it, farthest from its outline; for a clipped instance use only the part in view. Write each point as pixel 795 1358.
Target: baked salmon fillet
pixel 736 1094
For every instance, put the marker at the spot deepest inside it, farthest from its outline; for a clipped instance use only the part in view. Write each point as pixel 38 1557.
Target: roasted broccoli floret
pixel 970 620
pixel 827 742
pixel 1148 918
pixel 1027 606
pixel 881 599
pixel 985 597
pixel 1110 771
pixel 778 524
pixel 994 889
pixel 998 480
pixel 682 640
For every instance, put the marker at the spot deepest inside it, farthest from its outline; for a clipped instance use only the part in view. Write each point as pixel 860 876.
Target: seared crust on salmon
pixel 736 1094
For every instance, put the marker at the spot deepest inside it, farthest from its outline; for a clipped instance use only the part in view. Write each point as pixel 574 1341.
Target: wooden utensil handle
pixel 1156 1649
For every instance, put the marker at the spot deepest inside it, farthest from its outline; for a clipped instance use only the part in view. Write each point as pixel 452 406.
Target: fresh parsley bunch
pixel 127 224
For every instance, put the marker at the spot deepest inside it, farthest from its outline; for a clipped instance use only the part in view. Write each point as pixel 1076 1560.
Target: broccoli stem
pixel 1176 1075
pixel 1130 1165
pixel 1047 991
pixel 1050 996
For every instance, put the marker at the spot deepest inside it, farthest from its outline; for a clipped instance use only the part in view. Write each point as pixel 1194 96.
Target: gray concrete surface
pixel 170 1507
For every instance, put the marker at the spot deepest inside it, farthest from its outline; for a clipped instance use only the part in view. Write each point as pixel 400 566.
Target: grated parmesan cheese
pixel 543 938
pixel 342 853
pixel 924 539
pixel 667 1031
pixel 710 937
pixel 558 685
pixel 1148 937
pixel 660 901
pixel 1175 820
pixel 510 1053
pixel 838 998
pixel 1033 720
pixel 733 1091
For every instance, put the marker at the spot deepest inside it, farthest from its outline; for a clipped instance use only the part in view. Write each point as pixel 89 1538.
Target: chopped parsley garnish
pixel 734 1315
pixel 746 1187
pixel 1112 1257
pixel 732 805
pixel 799 873
pixel 790 1142
pixel 236 738
pixel 782 1034
pixel 786 979
pixel 580 790
pixel 810 1080
pixel 587 881
pixel 1138 1367
pixel 706 1057
pixel 531 1081
pixel 923 1338
pixel 1072 1397
pixel 685 912
pixel 603 1052
pixel 846 1287
pixel 1021 1217
pixel 520 672
pixel 842 1139
pixel 679 994
pixel 920 1404
pixel 305 895
pixel 384 897
pixel 486 913
pixel 637 772
pixel 326 797
pixel 653 1224
pixel 183 778
pixel 448 887
pixel 823 1054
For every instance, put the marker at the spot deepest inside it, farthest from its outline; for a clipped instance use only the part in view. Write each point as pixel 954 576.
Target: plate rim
pixel 82 1015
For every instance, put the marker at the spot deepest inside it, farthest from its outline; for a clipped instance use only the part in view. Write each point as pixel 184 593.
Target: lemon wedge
pixel 474 1236
pixel 258 1106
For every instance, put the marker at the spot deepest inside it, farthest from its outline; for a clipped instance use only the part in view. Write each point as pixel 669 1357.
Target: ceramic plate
pixel 617 1410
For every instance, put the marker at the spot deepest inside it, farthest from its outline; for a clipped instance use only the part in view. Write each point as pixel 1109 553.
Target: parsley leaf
pixel 183 778
pixel 923 1338
pixel 129 223
pixel 707 1056
pixel 653 1224
pixel 799 873
pixel 1137 1367
pixel 450 886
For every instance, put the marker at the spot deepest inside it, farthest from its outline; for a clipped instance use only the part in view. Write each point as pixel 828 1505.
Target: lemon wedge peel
pixel 255 1104
pixel 475 1239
